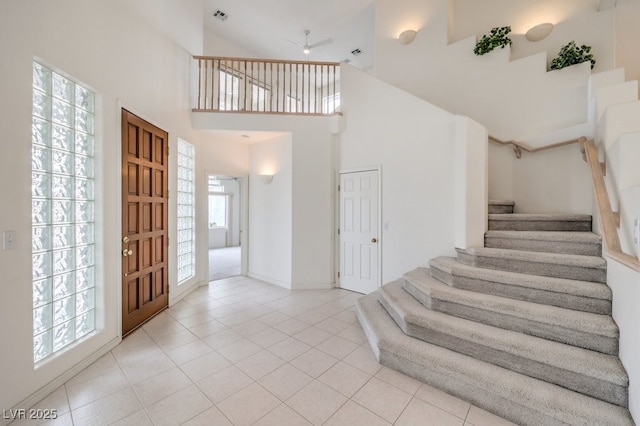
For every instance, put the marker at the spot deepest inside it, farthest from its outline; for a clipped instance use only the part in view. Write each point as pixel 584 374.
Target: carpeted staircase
pixel 521 327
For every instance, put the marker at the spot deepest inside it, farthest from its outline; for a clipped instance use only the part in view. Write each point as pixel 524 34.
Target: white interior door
pixel 359 227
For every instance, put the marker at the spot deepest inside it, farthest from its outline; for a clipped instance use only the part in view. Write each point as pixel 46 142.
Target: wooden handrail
pixel 607 218
pixel 268 61
pixel 518 147
pixel 269 86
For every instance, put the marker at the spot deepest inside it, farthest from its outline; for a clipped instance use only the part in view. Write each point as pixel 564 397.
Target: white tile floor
pixel 241 352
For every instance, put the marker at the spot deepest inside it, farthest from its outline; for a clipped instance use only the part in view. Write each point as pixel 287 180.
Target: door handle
pixel 373 240
pixel 126 252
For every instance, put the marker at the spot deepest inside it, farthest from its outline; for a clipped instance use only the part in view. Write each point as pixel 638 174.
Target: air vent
pixel 220 15
pixel 356 52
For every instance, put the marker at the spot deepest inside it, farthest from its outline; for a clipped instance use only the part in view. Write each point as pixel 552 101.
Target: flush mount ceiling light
pixel 539 32
pixel 407 36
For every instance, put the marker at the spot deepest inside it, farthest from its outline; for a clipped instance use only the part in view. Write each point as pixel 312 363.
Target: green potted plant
pixel 572 54
pixel 497 37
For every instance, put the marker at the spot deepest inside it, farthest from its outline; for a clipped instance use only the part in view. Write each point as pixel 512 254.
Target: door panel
pixel 359 224
pixel 145 290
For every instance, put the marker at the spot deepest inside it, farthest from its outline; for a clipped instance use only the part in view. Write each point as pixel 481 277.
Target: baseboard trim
pixel 293 286
pixel 269 280
pixel 313 286
pixel 47 389
pixel 187 292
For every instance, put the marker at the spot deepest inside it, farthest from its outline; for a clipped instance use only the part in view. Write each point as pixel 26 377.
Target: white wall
pixel 627 32
pixel 217 238
pixel 507 90
pixel 271 211
pixel 623 181
pixel 514 99
pixel 313 205
pixel 413 143
pixel 622 150
pixel 619 142
pixel 625 284
pixel 233 188
pixel 214 45
pixel 313 189
pixel 220 154
pixel 130 65
pixel 577 20
pixel 501 168
pixel 624 187
pixel 174 19
pixel 470 164
pixel 553 181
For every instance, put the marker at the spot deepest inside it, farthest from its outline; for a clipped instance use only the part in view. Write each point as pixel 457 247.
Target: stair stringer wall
pixel 515 99
pixel 618 139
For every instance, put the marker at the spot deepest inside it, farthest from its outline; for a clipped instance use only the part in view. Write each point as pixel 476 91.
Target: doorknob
pixel 126 252
pixel 373 240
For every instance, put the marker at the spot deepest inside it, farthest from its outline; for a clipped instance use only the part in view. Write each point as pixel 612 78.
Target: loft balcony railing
pixel 267 86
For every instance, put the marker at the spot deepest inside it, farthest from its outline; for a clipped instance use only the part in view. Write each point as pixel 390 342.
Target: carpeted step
pixel 514 396
pixel 582 243
pixel 580 329
pixel 570 294
pixel 500 206
pixel 539 222
pixel 591 373
pixel 569 266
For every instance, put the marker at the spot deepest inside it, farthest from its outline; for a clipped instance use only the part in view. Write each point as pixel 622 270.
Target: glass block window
pixel 186 209
pixel 63 228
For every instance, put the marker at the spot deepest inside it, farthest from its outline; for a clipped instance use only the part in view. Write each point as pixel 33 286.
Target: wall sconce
pixel 407 36
pixel 539 32
pixel 267 179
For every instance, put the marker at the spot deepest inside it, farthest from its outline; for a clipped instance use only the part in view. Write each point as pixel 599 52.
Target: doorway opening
pixel 225 226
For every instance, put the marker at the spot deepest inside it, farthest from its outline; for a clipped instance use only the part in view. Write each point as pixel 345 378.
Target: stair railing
pixel 518 147
pixel 606 213
pixel 267 86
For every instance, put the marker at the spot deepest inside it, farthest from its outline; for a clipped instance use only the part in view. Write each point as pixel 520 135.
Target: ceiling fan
pixel 306 47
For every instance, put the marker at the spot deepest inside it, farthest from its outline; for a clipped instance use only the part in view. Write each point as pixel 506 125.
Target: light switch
pixel 8 240
pixel 636 232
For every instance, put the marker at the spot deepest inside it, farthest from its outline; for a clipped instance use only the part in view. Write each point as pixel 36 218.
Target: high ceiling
pixel 271 28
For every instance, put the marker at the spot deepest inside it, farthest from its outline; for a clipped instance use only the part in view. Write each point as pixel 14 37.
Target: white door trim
pixel 340 172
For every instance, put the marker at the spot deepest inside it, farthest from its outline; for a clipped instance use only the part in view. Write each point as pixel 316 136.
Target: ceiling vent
pixel 356 52
pixel 220 15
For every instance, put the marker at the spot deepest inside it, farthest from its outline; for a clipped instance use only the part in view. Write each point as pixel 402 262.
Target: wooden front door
pixel 145 289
